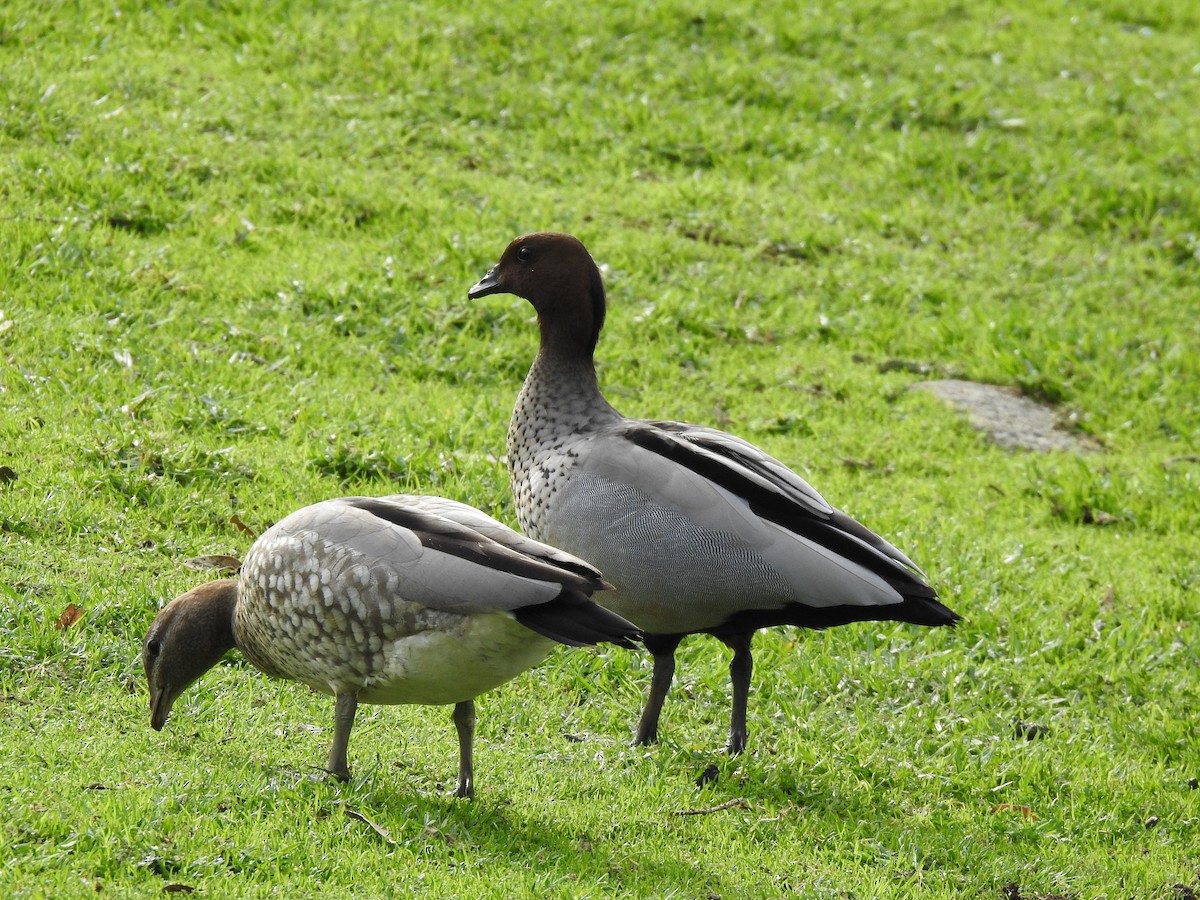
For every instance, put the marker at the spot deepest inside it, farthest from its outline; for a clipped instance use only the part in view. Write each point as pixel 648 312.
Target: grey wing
pixel 717 450
pixel 543 588
pixel 772 488
pixel 497 531
pixel 386 550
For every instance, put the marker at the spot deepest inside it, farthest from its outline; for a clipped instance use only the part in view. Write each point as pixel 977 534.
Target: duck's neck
pixel 560 394
pixel 559 403
pixel 213 619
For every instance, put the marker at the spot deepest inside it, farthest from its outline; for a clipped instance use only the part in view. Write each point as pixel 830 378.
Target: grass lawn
pixel 235 243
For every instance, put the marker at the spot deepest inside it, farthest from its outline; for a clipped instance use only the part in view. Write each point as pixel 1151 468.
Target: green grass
pixel 235 243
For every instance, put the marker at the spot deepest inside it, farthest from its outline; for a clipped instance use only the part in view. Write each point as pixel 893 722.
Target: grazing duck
pixel 402 599
pixel 697 530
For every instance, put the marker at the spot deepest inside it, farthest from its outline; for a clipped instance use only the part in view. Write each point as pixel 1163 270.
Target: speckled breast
pixel 311 611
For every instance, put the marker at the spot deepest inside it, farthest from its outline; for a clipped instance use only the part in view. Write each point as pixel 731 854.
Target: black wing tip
pixel 924 611
pixel 573 619
pixel 627 640
pixel 920 610
pixel 929 611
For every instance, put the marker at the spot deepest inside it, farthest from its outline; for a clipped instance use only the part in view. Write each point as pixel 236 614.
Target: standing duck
pixel 697 530
pixel 403 599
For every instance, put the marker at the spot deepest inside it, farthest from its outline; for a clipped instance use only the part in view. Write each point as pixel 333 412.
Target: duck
pixel 698 531
pixel 391 600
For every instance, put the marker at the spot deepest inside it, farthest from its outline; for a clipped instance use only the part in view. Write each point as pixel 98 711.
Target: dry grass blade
pixel 214 561
pixel 736 803
pixel 387 838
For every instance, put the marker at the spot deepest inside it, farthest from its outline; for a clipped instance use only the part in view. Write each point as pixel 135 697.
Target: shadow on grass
pixel 406 813
pixel 758 780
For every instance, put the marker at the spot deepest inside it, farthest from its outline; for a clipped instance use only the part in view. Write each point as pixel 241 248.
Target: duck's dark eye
pixel 153 646
pixel 524 254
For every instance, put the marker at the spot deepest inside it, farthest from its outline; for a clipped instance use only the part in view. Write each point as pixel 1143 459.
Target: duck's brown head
pixel 556 274
pixel 187 638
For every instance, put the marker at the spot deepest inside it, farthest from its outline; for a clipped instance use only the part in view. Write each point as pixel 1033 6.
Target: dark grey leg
pixel 740 668
pixel 662 647
pixel 343 721
pixel 464 721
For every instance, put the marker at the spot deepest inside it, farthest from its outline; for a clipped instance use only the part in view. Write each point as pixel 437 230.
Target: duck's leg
pixel 343 721
pixel 464 721
pixel 662 648
pixel 740 668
